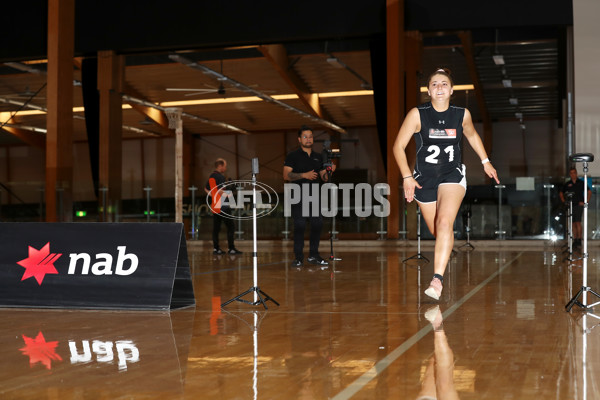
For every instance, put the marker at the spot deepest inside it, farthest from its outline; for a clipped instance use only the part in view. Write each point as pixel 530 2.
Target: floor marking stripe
pixel 382 364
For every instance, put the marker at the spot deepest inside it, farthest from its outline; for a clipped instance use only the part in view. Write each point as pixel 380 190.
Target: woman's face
pixel 440 87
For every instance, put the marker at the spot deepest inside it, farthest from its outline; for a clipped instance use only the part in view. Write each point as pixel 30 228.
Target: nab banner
pixel 94 266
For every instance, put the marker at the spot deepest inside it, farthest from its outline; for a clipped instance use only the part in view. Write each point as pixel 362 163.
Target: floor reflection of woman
pixel 438 381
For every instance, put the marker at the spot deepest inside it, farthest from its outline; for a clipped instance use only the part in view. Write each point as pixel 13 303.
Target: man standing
pixel 304 167
pixel 214 188
pixel 576 187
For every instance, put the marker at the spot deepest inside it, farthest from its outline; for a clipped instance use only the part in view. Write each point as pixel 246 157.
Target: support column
pixel 395 103
pixel 188 162
pixel 110 86
pixel 59 119
pixel 586 85
pixel 413 51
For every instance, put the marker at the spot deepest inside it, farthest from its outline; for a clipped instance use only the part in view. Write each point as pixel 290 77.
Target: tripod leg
pixel 594 293
pixel 260 299
pixel 238 298
pixel 574 301
pixel 267 297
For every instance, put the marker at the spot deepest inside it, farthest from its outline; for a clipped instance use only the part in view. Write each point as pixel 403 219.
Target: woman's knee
pixel 444 224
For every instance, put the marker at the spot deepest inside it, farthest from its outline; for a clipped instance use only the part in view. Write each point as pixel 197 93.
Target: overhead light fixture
pixel 522 126
pixel 513 100
pixel 519 115
pixel 498 59
pixel 291 96
pixel 506 83
pixel 335 62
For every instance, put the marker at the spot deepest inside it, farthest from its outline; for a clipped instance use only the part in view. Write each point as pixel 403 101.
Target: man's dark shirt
pixel 301 162
pixel 575 188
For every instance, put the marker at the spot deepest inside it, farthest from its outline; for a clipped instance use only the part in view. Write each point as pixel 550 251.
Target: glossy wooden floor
pixel 357 330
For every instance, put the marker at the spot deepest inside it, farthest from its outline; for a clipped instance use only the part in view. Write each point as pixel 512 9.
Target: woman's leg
pixel 450 197
pixel 439 217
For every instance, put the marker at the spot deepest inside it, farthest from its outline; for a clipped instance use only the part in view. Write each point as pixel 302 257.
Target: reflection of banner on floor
pixel 94 265
pixel 99 354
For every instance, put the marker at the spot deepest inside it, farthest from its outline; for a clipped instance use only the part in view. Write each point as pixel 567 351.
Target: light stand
pixel 467 215
pixel 328 168
pixel 585 158
pixel 260 297
pixel 418 256
pixel 569 250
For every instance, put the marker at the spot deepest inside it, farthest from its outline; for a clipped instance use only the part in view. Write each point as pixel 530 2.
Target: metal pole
pixel 239 231
pixel 42 196
pixel 193 191
pixel 585 227
pixel 500 232
pixel 103 190
pixel 59 204
pixel 403 232
pixel 254 247
pixel 333 231
pixel 549 231
pixel 381 232
pixel 286 231
pixel 147 189
pixel 596 231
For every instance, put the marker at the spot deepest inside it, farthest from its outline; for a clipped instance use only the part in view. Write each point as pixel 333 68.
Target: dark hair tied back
pixel 441 71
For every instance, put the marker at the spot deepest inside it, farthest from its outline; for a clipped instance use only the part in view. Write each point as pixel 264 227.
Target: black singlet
pixel 439 158
pixel 438 141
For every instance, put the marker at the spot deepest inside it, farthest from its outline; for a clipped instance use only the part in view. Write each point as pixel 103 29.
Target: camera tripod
pixel 329 169
pixel 260 297
pixel 569 244
pixel 584 158
pixel 467 217
pixel 418 256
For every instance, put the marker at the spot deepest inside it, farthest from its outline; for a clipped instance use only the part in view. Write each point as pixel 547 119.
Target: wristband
pixel 406 177
pixel 485 160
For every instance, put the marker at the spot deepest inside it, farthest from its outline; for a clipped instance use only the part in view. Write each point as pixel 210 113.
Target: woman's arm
pixel 477 145
pixel 411 124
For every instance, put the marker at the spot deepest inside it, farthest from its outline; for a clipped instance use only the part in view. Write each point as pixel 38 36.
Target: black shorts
pixel 430 184
pixel 577 213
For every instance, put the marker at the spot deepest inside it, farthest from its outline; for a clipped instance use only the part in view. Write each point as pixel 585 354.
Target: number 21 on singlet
pixel 435 151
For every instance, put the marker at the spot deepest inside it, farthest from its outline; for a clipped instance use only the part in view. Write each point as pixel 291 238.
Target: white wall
pixel 586 32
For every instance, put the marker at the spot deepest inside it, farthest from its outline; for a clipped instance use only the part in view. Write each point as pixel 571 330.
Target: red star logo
pixel 39 263
pixel 40 351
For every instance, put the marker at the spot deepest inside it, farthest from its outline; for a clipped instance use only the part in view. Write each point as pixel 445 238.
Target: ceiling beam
pixel 41 109
pixel 467 44
pixel 27 134
pixel 137 102
pixel 158 115
pixel 146 107
pixel 276 54
pixel 178 58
